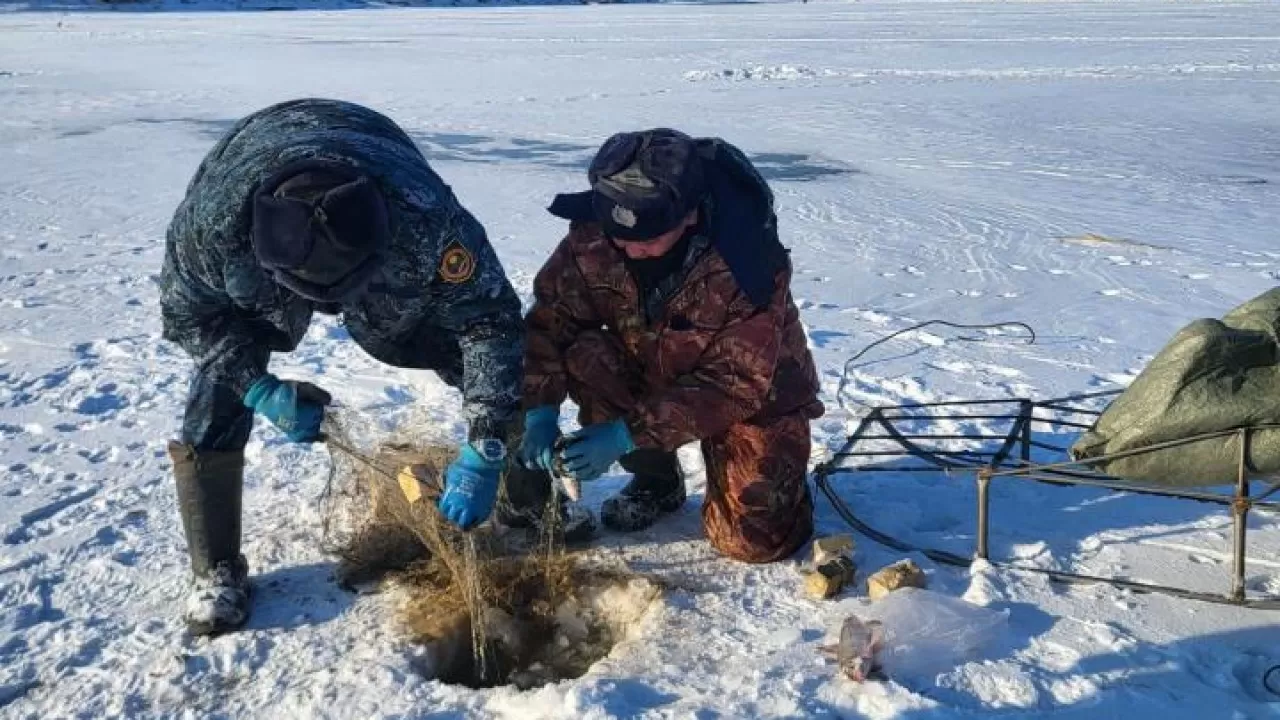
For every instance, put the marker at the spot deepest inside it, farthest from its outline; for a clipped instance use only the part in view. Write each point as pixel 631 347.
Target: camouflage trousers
pixel 758 507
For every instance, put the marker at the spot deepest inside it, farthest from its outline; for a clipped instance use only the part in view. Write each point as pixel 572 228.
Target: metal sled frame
pixel 1009 456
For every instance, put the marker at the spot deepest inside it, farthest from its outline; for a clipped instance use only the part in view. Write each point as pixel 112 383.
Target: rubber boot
pixel 210 486
pixel 525 504
pixel 656 489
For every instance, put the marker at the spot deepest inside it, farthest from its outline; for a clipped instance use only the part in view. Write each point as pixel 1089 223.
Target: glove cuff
pixel 260 389
pixel 470 459
pixel 542 415
pixel 623 433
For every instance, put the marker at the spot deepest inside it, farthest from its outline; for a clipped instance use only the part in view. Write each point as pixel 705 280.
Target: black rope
pixel 848 365
pixel 1271 680
pixel 823 482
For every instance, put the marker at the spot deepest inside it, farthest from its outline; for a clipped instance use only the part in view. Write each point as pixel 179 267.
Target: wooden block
pixel 830 578
pixel 901 574
pixel 826 549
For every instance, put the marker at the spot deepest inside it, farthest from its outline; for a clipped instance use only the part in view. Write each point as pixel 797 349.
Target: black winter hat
pixel 644 183
pixel 321 228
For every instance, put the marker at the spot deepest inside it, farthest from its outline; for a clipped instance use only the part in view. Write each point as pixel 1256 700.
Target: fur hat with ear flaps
pixel 321 228
pixel 644 183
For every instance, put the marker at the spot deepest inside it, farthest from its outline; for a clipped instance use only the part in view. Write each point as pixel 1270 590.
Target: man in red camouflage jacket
pixel 666 315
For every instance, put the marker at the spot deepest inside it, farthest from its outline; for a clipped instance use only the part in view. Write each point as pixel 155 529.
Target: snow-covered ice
pixel 1105 171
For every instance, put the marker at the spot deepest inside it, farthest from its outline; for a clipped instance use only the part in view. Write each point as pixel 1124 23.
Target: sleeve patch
pixel 457 265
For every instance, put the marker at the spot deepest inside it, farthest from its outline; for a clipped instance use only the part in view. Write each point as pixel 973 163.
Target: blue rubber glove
pixel 589 452
pixel 297 408
pixel 541 429
pixel 470 487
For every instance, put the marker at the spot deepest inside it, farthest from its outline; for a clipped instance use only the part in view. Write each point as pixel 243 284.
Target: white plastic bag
pixel 927 633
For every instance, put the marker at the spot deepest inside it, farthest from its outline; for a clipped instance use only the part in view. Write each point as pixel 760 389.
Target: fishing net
pixel 495 606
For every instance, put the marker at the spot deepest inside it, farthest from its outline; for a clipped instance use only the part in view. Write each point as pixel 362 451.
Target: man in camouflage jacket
pixel 666 315
pixel 323 206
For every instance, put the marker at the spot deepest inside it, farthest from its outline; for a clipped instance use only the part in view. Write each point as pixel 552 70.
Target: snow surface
pixel 1104 171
